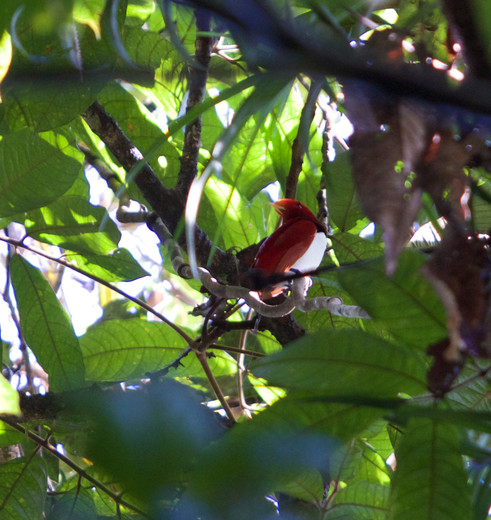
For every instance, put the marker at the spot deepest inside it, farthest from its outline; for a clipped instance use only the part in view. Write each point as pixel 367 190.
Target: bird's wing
pixel 285 246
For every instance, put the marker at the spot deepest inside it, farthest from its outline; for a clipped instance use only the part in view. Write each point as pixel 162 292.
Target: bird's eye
pixel 299 205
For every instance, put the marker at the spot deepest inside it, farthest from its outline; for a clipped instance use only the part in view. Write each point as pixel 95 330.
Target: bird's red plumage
pixel 285 246
pixel 298 235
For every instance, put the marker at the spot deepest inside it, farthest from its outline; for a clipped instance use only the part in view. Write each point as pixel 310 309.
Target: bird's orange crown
pixel 289 209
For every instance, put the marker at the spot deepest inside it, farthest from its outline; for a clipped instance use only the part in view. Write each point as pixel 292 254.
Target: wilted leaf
pixel 388 142
pixel 441 172
pixel 458 270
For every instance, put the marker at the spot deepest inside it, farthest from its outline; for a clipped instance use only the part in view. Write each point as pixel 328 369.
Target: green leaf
pixel 46 327
pixel 5 53
pixel 9 398
pixel 117 350
pixel 405 304
pixel 481 205
pixel 117 266
pixel 136 121
pixel 481 12
pixel 23 488
pixel 45 103
pixel 72 223
pixel 146 48
pixel 353 248
pixel 327 363
pixel 235 218
pixel 149 438
pixel 344 209
pixel 360 501
pixel 306 485
pixel 266 454
pixel 34 173
pixel 9 436
pixel 358 461
pixel 76 504
pixel 430 481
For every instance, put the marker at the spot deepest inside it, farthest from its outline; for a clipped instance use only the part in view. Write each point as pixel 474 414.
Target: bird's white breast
pixel 312 258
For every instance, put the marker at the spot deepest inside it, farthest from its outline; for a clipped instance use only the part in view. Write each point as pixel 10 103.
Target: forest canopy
pixel 146 372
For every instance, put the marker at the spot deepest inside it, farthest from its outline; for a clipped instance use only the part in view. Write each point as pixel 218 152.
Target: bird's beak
pixel 278 207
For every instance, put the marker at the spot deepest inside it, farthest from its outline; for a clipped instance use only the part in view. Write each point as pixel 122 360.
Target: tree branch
pixel 295 301
pixel 167 203
pixel 196 92
pixel 278 45
pixel 301 142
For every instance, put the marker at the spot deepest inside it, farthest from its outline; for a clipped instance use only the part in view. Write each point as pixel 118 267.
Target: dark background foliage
pixel 173 402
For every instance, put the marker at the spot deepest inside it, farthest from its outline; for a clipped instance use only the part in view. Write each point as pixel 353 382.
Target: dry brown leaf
pixel 389 141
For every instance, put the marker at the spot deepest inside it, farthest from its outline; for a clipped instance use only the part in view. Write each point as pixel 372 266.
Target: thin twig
pixel 201 355
pixel 13 313
pixel 198 77
pixel 175 364
pixel 241 369
pixel 236 350
pixel 301 142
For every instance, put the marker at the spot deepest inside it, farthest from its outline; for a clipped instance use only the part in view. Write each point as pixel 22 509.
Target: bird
pixel 298 245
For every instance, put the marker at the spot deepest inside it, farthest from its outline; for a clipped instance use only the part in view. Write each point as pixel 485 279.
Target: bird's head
pixel 289 209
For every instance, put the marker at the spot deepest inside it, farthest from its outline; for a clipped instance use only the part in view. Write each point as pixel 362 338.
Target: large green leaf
pixel 9 398
pixel 350 248
pixel 360 501
pixel 46 327
pixel 244 164
pixel 136 122
pixel 48 104
pixel 9 436
pixel 116 266
pixel 150 438
pixel 73 223
pixel 344 362
pixel 267 458
pixel 344 209
pixel 23 488
pixel 117 350
pixel 405 303
pixel 289 439
pixel 358 461
pixel 75 503
pixel 481 11
pixel 235 217
pixel 430 481
pixel 32 173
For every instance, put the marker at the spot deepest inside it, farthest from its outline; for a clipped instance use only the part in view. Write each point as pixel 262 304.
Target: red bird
pixel 298 244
